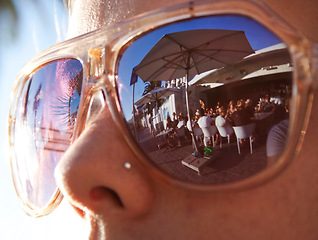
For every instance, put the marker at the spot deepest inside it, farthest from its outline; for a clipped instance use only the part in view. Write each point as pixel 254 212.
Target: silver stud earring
pixel 127 165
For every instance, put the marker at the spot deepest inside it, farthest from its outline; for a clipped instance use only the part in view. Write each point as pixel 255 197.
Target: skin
pixel 150 208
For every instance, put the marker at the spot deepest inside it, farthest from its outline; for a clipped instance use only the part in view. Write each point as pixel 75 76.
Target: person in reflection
pixel 195 127
pixel 202 104
pixel 170 123
pixel 180 129
pixel 266 105
pixel 276 141
pixel 222 119
pixel 138 204
pixel 241 116
pixel 181 116
pixel 249 107
pixel 171 137
pixel 151 127
pixel 205 121
pixel 281 111
pixel 223 124
pixel 231 108
pixel 211 112
pixel 218 105
pixel 174 118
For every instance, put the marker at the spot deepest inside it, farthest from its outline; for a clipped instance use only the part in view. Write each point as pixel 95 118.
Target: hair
pixel 232 102
pixel 248 102
pixel 221 109
pixel 240 103
pixel 201 111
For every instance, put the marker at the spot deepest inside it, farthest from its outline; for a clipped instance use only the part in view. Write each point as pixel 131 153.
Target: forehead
pixel 89 15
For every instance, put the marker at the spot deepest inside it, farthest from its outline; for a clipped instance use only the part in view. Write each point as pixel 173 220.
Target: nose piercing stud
pixel 127 165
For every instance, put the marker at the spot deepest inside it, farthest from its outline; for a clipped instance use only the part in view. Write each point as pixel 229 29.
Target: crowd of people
pixel 227 115
pixel 176 128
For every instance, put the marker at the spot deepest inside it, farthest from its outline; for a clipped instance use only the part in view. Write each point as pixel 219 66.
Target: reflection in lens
pixel 45 117
pixel 207 93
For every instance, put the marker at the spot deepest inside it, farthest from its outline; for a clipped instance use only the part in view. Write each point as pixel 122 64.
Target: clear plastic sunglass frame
pixel 100 52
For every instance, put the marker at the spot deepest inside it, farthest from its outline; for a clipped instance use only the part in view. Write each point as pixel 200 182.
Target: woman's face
pixel 122 203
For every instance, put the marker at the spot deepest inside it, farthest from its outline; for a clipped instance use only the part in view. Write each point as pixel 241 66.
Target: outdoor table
pixel 261 116
pixel 263 122
pixel 164 132
pixel 161 135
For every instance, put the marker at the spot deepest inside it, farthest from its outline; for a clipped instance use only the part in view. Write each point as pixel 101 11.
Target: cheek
pixel 241 211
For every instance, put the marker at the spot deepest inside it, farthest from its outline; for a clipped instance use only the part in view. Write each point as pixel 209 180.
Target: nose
pixel 94 174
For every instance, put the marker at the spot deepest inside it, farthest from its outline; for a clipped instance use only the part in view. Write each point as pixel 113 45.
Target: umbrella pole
pixel 189 116
pixel 134 117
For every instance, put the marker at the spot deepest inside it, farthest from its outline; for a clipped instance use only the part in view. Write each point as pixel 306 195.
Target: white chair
pixel 226 131
pixel 209 132
pixel 198 134
pixel 243 132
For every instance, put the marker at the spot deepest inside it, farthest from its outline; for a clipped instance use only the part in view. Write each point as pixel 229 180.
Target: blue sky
pixel 37 30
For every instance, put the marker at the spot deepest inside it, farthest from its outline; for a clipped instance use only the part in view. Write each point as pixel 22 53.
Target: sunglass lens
pixel 42 129
pixel 201 97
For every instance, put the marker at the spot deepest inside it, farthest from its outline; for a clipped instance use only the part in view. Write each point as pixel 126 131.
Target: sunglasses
pixel 210 95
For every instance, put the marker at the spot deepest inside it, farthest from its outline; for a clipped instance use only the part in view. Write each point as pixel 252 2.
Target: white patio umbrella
pixel 156 94
pixel 192 52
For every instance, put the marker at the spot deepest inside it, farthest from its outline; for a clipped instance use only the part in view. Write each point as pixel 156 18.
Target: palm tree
pixel 8 5
pixel 7 9
pixel 9 17
pixel 151 86
pixel 148 88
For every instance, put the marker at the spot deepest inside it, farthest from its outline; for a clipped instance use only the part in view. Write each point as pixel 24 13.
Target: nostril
pixel 79 211
pixel 101 193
